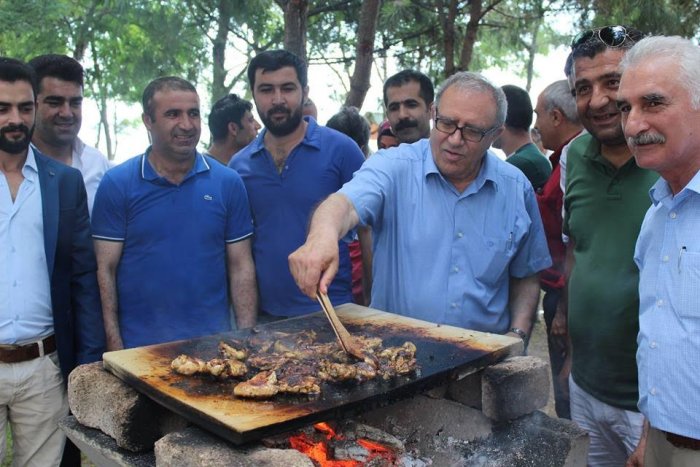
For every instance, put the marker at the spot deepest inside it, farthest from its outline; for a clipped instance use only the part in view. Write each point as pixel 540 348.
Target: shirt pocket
pixel 689 301
pixel 494 258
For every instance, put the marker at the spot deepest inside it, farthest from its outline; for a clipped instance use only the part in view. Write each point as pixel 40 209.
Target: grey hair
pixel 558 96
pixel 469 81
pixel 675 49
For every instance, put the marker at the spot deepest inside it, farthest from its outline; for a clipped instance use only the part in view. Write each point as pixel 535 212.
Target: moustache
pixel 646 138
pixel 407 123
pixel 278 109
pixel 13 127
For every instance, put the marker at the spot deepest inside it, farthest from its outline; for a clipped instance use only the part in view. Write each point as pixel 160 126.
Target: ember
pixel 322 452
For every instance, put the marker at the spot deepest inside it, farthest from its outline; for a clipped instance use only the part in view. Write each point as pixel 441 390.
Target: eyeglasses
pixel 469 133
pixel 612 36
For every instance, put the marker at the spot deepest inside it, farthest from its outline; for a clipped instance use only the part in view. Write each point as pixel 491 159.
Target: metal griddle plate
pixel 443 352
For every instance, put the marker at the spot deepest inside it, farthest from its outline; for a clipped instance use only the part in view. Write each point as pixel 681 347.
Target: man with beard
pixel 292 165
pixel 605 201
pixel 232 127
pixel 659 98
pixel 172 233
pixel 457 233
pixel 408 96
pixel 59 110
pixel 50 318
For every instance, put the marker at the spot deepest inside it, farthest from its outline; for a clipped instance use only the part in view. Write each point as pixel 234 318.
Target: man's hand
pixel 314 264
pixel 636 459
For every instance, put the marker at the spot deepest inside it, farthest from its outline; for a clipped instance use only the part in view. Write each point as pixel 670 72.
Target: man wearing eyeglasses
pixel 457 233
pixel 605 201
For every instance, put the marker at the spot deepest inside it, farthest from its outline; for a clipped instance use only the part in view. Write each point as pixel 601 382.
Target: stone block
pixel 514 387
pixel 100 400
pixel 194 447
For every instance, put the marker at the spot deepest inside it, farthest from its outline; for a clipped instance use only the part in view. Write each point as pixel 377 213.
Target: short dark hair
pixel 228 109
pixel 273 60
pixel 594 45
pixel 519 115
pixel 13 70
pixel 427 91
pixel 349 121
pixel 172 83
pixel 58 66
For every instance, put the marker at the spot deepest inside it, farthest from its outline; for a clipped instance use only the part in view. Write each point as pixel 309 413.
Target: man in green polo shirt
pixel 605 202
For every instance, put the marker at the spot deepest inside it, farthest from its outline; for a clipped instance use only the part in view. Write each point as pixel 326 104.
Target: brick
pixel 194 447
pixel 514 387
pixel 100 400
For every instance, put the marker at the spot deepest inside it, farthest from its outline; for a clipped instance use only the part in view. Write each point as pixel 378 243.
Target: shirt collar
pixel 30 164
pixel 487 172
pixel 312 137
pixel 661 190
pixel 149 173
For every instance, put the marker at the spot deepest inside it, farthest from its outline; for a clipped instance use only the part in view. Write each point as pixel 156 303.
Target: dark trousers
pixel 557 352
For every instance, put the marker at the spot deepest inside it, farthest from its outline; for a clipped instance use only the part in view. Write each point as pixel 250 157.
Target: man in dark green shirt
pixel 516 142
pixel 605 201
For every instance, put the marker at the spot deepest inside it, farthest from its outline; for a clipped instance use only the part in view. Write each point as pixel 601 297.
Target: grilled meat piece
pixel 300 384
pixel 399 360
pixel 267 361
pixel 261 386
pixel 186 365
pixel 336 372
pixel 226 368
pixel 230 352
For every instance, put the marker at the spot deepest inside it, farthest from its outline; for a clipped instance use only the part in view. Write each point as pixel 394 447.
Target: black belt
pixel 22 353
pixel 683 442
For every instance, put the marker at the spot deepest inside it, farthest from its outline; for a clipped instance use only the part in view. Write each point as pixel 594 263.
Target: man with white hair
pixel 659 97
pixel 457 235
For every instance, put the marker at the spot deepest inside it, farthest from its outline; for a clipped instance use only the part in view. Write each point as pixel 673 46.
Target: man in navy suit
pixel 50 316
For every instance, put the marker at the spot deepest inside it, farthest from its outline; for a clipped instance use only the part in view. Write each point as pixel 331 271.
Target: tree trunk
pixel 295 15
pixel 218 84
pixel 102 103
pixel 364 54
pixel 475 13
pixel 448 27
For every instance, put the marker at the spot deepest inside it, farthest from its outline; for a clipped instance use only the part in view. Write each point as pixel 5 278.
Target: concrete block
pixel 100 400
pixel 194 447
pixel 467 390
pixel 514 387
pixel 101 449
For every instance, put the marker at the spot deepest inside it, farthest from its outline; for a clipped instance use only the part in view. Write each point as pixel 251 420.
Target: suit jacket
pixel 70 258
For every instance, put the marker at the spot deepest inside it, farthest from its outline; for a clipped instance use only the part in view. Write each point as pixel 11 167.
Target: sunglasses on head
pixel 612 36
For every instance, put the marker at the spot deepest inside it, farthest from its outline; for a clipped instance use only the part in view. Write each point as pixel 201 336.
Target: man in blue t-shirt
pixel 292 165
pixel 172 232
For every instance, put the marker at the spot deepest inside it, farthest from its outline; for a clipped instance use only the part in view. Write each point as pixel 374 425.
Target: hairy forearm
pixel 244 293
pixel 524 297
pixel 107 282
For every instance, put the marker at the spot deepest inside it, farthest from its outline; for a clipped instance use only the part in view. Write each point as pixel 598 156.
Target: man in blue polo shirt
pixel 172 233
pixel 457 233
pixel 292 165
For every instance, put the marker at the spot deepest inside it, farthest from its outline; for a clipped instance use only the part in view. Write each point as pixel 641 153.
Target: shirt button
pixel 652 345
pixel 665 259
pixel 653 391
pixel 672 215
pixel 460 235
pixel 659 303
pixel 453 305
pixel 455 269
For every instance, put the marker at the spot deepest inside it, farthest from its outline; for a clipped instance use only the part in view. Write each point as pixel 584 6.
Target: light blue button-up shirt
pixel 25 290
pixel 444 256
pixel 668 354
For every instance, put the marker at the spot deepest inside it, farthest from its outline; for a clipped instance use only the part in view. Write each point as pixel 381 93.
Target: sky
pixel 134 141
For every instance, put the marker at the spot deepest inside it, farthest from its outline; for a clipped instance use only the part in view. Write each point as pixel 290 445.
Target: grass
pixel 7 461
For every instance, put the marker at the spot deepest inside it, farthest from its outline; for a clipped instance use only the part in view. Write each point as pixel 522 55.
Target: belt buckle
pixel 40 344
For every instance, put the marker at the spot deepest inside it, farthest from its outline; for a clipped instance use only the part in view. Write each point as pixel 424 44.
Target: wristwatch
pixel 522 334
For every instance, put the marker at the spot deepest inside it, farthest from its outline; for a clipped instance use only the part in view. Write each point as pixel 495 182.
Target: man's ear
pixel 557 117
pixel 146 119
pixel 232 129
pixel 304 94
